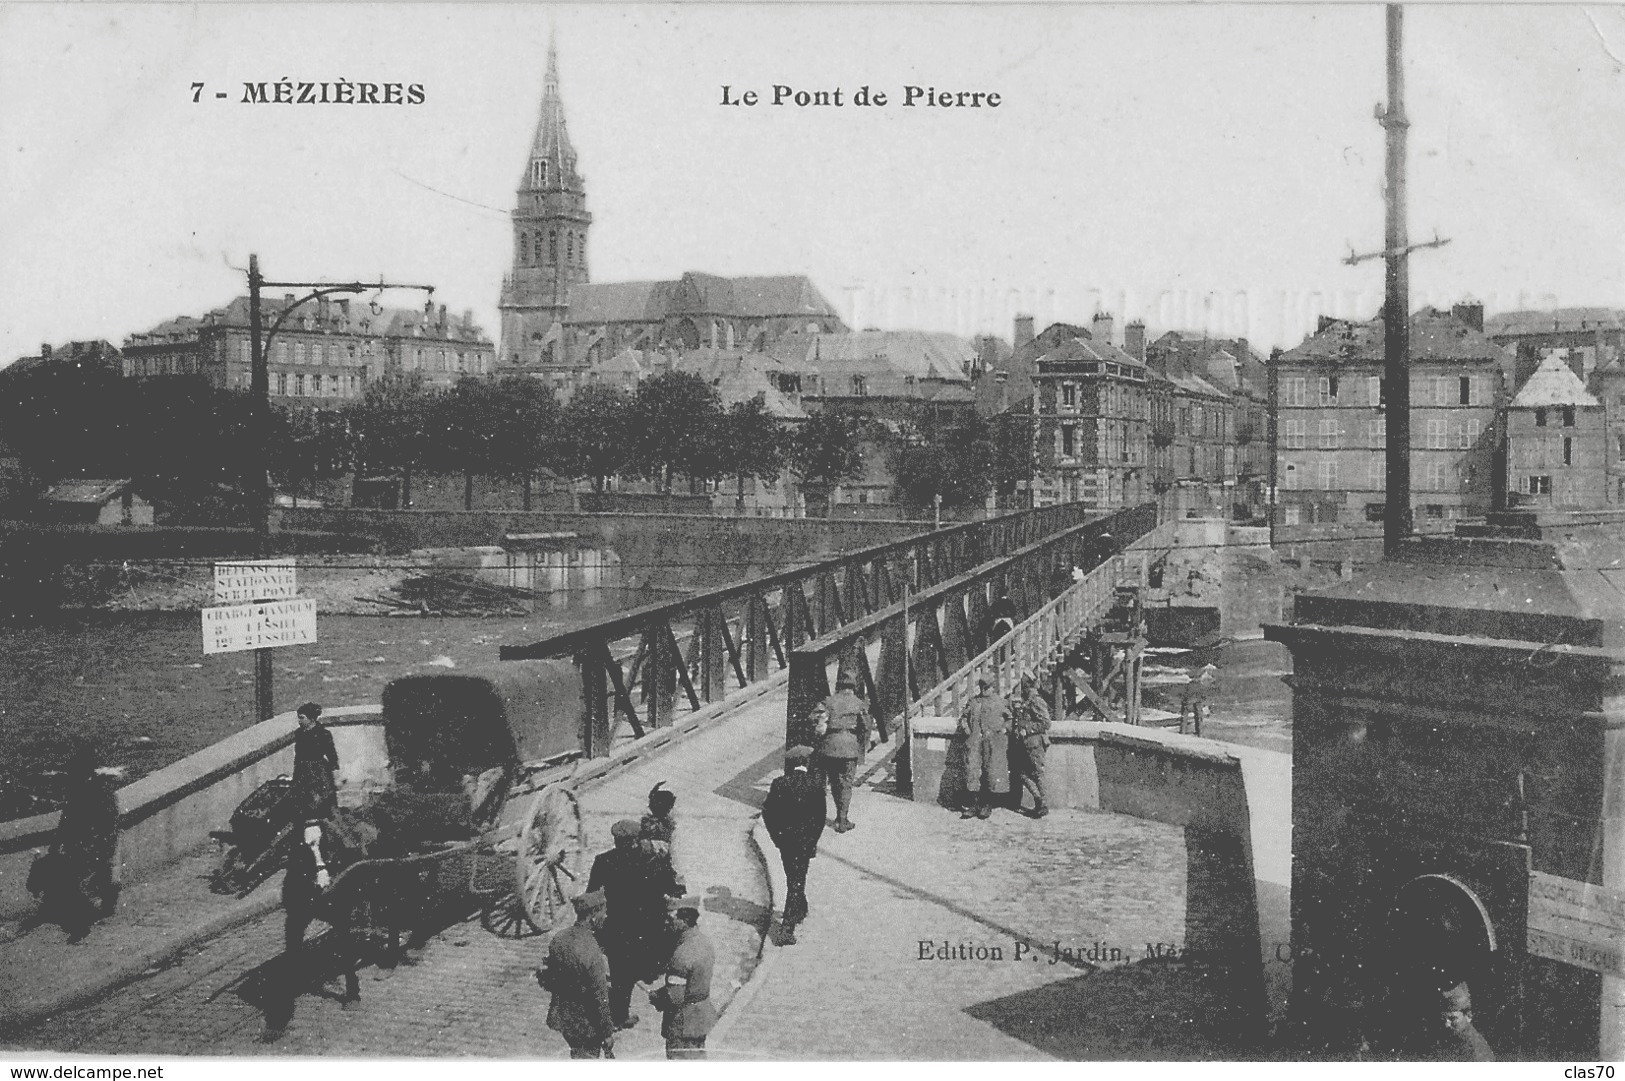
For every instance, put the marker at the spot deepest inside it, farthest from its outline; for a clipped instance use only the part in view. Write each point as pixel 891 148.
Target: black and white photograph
pixel 776 533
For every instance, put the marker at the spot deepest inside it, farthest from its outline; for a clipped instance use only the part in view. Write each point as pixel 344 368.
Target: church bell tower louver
pixel 550 222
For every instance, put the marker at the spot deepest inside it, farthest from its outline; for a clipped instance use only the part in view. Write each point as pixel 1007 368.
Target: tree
pixel 461 419
pixel 675 417
pixel 1014 454
pixel 305 448
pixel 391 428
pixel 955 463
pixel 525 430
pixel 827 451
pixel 752 443
pixel 596 433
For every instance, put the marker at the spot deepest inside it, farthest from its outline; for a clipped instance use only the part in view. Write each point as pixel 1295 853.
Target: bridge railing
pixel 649 667
pixel 1052 630
pixel 922 639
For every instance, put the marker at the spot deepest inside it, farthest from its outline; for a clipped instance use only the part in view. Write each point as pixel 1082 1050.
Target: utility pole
pixel 1396 322
pixel 259 390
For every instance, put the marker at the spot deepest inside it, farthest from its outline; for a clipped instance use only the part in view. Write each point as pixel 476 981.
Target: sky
pixel 1203 168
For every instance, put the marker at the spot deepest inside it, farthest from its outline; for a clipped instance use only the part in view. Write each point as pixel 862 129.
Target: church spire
pixel 552 165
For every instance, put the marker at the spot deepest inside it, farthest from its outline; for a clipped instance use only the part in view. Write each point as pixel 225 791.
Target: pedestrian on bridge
pixel 312 866
pixel 577 974
pixel 1030 718
pixel 78 887
pixel 846 737
pixel 685 997
pixel 985 725
pixel 794 817
pixel 635 885
pixel 315 762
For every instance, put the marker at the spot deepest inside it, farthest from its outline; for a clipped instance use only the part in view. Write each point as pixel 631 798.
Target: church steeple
pixel 550 222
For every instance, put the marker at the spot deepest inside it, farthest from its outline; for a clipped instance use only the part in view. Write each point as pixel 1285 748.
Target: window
pixel 1441 390
pixel 1434 510
pixel 1465 390
pixel 1294 434
pixel 1292 513
pixel 570 247
pixel 1293 391
pixel 552 246
pixel 1376 475
pixel 1377 428
pixel 299 385
pixel 860 386
pixel 1568 451
pixel 1328 434
pixel 1375 512
pixel 1568 416
pixel 1328 390
pixel 1540 485
pixel 1437 432
pixel 1069 395
pixel 1469 434
pixel 1328 476
pixel 282 384
pixel 1068 440
pixel 1435 476
pixel 1621 448
pixel 1373 390
pixel 1540 418
pixel 524 248
pixel 1289 477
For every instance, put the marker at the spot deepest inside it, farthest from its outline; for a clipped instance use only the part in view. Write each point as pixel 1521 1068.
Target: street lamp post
pixel 259 388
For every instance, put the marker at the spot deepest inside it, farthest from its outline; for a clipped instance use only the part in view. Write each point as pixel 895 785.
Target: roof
pixel 619 302
pixel 389 322
pixel 1195 384
pixel 1553 321
pixel 1554 383
pixel 879 355
pixel 1436 336
pixel 85 490
pixel 696 293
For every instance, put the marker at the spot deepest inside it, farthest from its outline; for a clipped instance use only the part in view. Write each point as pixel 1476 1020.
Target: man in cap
pixel 985 724
pixel 685 997
pixel 846 738
pixel 577 973
pixel 659 825
pixel 794 817
pixel 315 761
pixel 635 885
pixel 1451 1036
pixel 83 849
pixel 1030 718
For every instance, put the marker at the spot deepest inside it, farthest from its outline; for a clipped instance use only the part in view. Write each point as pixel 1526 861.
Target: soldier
pixel 82 852
pixel 577 974
pixel 985 724
pixel 794 817
pixel 1031 721
pixel 1452 1037
pixel 846 738
pixel 1194 700
pixel 635 885
pixel 315 761
pixel 685 997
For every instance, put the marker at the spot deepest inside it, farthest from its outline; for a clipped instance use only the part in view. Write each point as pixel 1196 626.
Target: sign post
pixel 258 607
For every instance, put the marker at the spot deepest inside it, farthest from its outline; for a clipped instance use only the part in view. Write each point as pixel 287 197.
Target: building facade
pixel 321 356
pixel 1332 422
pixel 1091 406
pixel 1556 442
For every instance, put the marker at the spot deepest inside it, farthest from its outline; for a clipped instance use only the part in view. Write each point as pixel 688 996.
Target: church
pixel 559 325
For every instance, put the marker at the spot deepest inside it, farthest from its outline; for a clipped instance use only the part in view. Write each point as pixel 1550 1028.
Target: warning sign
pixel 236 627
pixel 256 580
pixel 1578 923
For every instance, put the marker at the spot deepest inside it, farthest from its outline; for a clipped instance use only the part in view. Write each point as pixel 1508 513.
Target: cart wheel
pixel 552 846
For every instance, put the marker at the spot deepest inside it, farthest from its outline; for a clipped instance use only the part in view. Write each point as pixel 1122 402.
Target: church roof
pixel 1554 383
pixel 619 302
pixel 695 293
pixel 551 143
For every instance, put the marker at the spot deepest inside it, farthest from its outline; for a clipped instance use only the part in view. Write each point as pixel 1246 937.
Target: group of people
pixel 993 727
pixel 634 924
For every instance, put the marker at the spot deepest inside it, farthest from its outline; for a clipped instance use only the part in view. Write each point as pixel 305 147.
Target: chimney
pixel 1101 327
pixel 468 318
pixel 428 309
pixel 344 309
pixel 287 300
pixel 323 308
pixel 1470 312
pixel 1024 330
pixel 441 322
pixel 1134 340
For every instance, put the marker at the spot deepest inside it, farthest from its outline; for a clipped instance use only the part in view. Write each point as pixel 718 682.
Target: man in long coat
pixel 635 884
pixel 312 866
pixel 685 997
pixel 985 724
pixel 794 817
pixel 846 738
pixel 315 761
pixel 1030 719
pixel 577 973
pixel 86 841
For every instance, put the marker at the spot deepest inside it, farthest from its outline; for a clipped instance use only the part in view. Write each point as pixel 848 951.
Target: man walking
pixel 1031 721
pixel 312 866
pixel 685 998
pixel 635 885
pixel 80 889
pixel 794 817
pixel 315 761
pixel 577 973
pixel 985 724
pixel 846 737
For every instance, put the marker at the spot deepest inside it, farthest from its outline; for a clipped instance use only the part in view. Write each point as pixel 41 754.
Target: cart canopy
pixel 495 716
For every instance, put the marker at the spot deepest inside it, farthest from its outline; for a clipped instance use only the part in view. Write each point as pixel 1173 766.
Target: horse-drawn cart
pixel 436 828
